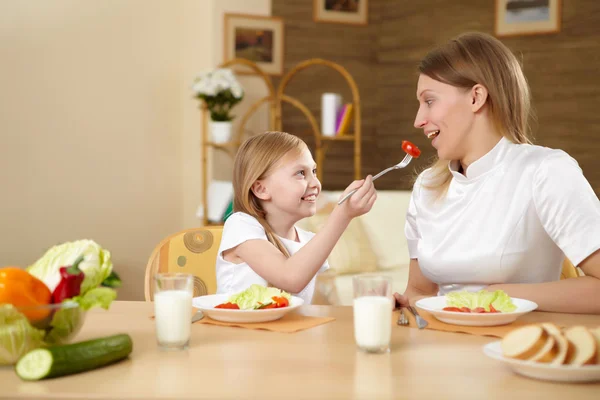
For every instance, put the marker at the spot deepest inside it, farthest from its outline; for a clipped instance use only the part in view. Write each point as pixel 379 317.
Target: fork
pixel 402 320
pixel 400 165
pixel 421 323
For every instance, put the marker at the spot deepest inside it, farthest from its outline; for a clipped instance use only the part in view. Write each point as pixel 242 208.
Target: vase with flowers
pixel 220 90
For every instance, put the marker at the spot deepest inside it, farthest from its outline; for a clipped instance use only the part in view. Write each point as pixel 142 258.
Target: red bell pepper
pixel 231 306
pixel 70 283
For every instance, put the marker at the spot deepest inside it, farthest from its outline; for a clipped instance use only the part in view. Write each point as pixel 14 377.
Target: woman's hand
pixel 418 287
pixel 360 202
pixel 401 300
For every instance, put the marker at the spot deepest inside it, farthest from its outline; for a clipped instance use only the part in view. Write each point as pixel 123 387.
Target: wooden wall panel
pixel 563 71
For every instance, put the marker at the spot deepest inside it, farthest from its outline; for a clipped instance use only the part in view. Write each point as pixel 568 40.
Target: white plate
pixel 207 305
pixel 561 373
pixel 436 304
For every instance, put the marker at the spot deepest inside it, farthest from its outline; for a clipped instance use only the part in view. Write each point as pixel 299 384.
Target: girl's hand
pixel 360 202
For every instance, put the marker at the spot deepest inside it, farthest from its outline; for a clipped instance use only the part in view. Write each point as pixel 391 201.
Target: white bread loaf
pixel 546 343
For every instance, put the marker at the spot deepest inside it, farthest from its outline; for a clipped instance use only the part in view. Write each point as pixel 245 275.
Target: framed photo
pixel 355 12
pixel 255 38
pixel 527 17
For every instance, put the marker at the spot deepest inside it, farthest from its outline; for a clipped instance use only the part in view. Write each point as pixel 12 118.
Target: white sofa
pixel 373 243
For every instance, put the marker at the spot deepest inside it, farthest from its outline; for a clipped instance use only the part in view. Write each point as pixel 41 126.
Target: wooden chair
pixel 192 251
pixel 568 270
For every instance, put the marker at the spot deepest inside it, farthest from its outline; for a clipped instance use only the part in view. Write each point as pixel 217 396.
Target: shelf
pixel 344 137
pixel 275 100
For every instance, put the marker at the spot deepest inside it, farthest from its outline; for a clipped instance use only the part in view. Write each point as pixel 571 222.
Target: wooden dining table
pixel 322 362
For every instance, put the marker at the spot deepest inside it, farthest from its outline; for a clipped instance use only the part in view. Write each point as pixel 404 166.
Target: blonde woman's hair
pixel 254 160
pixel 478 58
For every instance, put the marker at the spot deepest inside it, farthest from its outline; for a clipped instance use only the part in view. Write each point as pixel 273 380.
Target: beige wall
pixel 99 131
pixel 254 87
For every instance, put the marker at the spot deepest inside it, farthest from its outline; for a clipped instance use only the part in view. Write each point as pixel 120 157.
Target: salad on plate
pixel 481 302
pixel 257 297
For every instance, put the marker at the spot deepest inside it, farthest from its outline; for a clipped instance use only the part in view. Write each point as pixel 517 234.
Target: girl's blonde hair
pixel 254 160
pixel 478 58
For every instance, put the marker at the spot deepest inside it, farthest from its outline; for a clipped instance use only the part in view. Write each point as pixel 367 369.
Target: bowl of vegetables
pixel 60 322
pixel 46 303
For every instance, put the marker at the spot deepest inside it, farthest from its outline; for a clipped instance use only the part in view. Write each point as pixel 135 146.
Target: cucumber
pixel 73 358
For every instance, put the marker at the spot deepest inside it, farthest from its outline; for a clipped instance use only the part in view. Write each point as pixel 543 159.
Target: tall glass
pixel 373 312
pixel 173 310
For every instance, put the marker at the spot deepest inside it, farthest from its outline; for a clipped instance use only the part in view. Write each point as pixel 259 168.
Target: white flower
pixel 198 87
pixel 210 84
pixel 210 89
pixel 237 91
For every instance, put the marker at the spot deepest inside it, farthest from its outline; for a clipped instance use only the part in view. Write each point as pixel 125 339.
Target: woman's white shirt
pixel 234 278
pixel 512 219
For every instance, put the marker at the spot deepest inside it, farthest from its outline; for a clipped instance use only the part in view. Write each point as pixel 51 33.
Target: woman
pixel 494 211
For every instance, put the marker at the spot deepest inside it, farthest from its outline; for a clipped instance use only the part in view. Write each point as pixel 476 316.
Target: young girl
pixel 275 186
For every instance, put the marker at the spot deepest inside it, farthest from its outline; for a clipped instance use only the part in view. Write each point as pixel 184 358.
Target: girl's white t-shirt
pixel 512 219
pixel 233 278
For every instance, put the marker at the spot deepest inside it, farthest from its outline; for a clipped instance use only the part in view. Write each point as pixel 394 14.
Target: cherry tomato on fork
pixel 411 149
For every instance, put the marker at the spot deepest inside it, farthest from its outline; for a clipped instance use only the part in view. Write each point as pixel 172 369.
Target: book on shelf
pixel 345 119
pixel 338 120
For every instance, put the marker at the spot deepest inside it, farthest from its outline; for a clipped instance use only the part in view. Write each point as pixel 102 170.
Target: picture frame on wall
pixel 256 38
pixel 527 17
pixel 354 12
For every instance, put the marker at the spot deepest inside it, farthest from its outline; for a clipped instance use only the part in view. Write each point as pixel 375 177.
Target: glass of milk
pixel 373 312
pixel 173 310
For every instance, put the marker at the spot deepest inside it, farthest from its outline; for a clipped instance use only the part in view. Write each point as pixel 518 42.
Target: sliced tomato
pixel 466 309
pixel 492 309
pixel 281 301
pixel 478 310
pixel 231 306
pixel 272 305
pixel 454 309
pixel 411 149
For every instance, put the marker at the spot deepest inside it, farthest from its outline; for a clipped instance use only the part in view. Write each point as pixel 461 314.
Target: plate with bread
pixel 482 308
pixel 544 351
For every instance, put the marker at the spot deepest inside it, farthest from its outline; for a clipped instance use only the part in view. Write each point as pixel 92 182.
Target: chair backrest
pixel 568 270
pixel 192 251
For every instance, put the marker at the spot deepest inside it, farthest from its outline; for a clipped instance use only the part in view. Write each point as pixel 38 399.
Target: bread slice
pixel 596 334
pixel 525 342
pixel 547 352
pixel 585 346
pixel 563 346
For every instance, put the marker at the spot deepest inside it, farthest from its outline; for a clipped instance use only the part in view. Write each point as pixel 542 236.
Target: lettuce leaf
pixel 96 265
pixel 97 297
pixel 501 301
pixel 255 296
pixel 17 336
